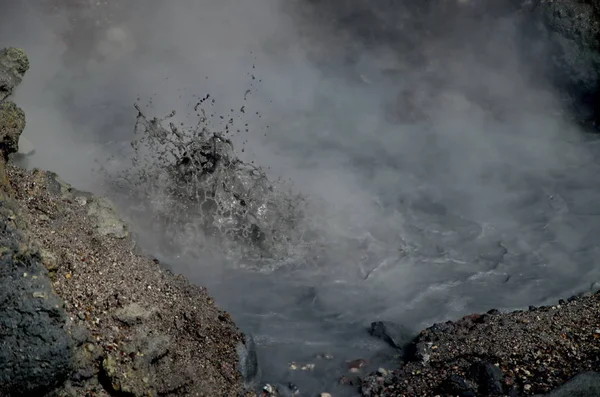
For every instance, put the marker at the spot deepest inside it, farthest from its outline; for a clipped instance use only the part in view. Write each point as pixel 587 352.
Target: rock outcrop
pixel 13 66
pixel 81 311
pixel 572 58
pixel 36 350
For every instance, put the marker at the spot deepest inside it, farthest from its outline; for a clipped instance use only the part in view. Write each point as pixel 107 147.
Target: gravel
pixel 138 329
pixel 518 353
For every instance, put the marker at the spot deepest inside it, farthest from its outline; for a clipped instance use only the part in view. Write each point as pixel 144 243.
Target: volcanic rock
pixel 12 124
pixel 82 312
pixel 36 350
pixel 394 334
pixel 13 66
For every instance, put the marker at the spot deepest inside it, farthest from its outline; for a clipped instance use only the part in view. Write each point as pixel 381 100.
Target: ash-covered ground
pixel 404 162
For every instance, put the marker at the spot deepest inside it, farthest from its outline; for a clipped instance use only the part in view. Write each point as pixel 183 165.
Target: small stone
pixel 81 200
pixel 527 387
pixel 269 389
pixel 308 367
pixel 293 388
pixel 325 395
pixel 350 381
pixel 393 334
pixel 359 363
pixel 132 314
pixel 108 222
pixel 382 372
pixel 456 385
pixel 293 366
pixel 48 260
pixel 40 295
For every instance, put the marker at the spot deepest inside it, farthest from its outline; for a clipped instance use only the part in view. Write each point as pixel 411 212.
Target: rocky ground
pixel 82 313
pixel 502 354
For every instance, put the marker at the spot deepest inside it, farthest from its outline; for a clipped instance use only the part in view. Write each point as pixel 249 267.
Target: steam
pixel 445 176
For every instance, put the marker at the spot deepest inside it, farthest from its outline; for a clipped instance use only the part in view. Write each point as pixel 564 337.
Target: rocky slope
pixel 81 312
pixel 502 354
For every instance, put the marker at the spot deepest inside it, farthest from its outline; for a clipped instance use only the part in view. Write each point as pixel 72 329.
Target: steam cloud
pixel 433 142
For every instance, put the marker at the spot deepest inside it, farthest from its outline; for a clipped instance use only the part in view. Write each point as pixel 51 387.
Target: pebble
pixel 40 295
pixel 359 363
pixel 527 387
pixel 382 372
pixel 81 200
pixel 269 389
pixel 325 395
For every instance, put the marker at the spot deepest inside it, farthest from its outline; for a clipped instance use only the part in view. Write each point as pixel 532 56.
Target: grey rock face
pixel 573 56
pixel 13 65
pixel 35 350
pixel 12 124
pixel 248 362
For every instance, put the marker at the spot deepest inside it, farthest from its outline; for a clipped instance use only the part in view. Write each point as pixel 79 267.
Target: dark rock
pixel 13 65
pixel 356 364
pixel 350 381
pixel 572 57
pixel 248 362
pixel 132 314
pixel 573 298
pixel 448 326
pixel 394 334
pixel 456 385
pixel 12 124
pixel 36 351
pixel 422 352
pixel 489 377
